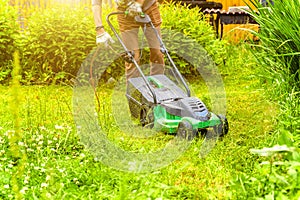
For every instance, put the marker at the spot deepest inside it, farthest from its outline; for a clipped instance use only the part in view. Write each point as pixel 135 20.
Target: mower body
pixel 172 107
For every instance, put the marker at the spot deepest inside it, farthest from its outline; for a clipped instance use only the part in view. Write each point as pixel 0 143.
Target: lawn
pixel 48 161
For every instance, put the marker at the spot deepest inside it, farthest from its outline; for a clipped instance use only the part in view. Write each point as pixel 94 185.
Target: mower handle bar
pixel 129 54
pixel 144 18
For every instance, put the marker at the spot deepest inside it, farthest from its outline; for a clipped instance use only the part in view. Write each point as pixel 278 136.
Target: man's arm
pixel 102 37
pixel 97 12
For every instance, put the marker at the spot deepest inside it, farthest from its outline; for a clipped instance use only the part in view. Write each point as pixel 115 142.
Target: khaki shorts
pixel 127 23
pixel 129 29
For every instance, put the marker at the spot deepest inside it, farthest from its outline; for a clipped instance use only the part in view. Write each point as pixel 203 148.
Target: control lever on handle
pixel 142 18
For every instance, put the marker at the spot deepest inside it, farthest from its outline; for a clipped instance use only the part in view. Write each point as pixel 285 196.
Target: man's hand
pixel 121 3
pixel 104 38
pixel 134 9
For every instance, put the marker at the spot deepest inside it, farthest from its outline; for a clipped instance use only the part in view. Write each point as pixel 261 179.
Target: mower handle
pixel 145 19
pixel 129 53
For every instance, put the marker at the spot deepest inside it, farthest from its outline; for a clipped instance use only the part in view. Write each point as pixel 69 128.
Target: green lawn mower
pixel 164 103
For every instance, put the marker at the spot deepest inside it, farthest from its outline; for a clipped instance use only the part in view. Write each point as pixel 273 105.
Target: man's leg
pixel 156 56
pixel 129 33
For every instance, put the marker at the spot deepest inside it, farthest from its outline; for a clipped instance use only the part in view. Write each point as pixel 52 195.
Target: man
pixel 129 31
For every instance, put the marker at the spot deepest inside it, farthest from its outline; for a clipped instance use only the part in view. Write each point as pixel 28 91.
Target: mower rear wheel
pixel 223 128
pixel 147 117
pixel 185 130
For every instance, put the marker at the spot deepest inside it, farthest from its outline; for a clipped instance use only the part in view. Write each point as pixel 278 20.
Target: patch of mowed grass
pixel 58 166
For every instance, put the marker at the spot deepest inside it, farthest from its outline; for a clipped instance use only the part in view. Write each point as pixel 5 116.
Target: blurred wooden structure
pixel 231 3
pixel 228 23
pixel 236 31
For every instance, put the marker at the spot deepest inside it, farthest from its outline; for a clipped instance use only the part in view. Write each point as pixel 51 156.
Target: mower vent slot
pixel 197 106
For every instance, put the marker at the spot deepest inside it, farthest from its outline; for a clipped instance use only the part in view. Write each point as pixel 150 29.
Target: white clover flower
pixel 75 180
pixel 40 137
pixel 58 127
pixel 82 155
pixel 44 185
pixel 10 165
pixel 61 170
pixel 42 128
pixel 23 190
pixel 21 143
pixel 9 132
pixel 29 150
pixel 48 178
pixel 48 195
pixel 6 186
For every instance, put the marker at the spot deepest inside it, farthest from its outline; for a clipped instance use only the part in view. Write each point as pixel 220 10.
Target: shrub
pixel 59 39
pixel 8 34
pixel 193 24
pixel 56 42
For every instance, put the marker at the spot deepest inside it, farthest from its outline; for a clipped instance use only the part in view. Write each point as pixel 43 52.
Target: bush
pixel 8 35
pixel 59 39
pixel 56 42
pixel 193 24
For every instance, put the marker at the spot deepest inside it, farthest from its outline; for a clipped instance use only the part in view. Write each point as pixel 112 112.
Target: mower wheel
pixel 223 128
pixel 147 117
pixel 185 130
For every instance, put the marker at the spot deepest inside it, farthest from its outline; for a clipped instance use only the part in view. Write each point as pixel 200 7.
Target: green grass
pixel 58 167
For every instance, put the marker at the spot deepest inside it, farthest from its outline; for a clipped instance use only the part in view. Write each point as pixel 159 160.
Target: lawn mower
pixel 158 102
